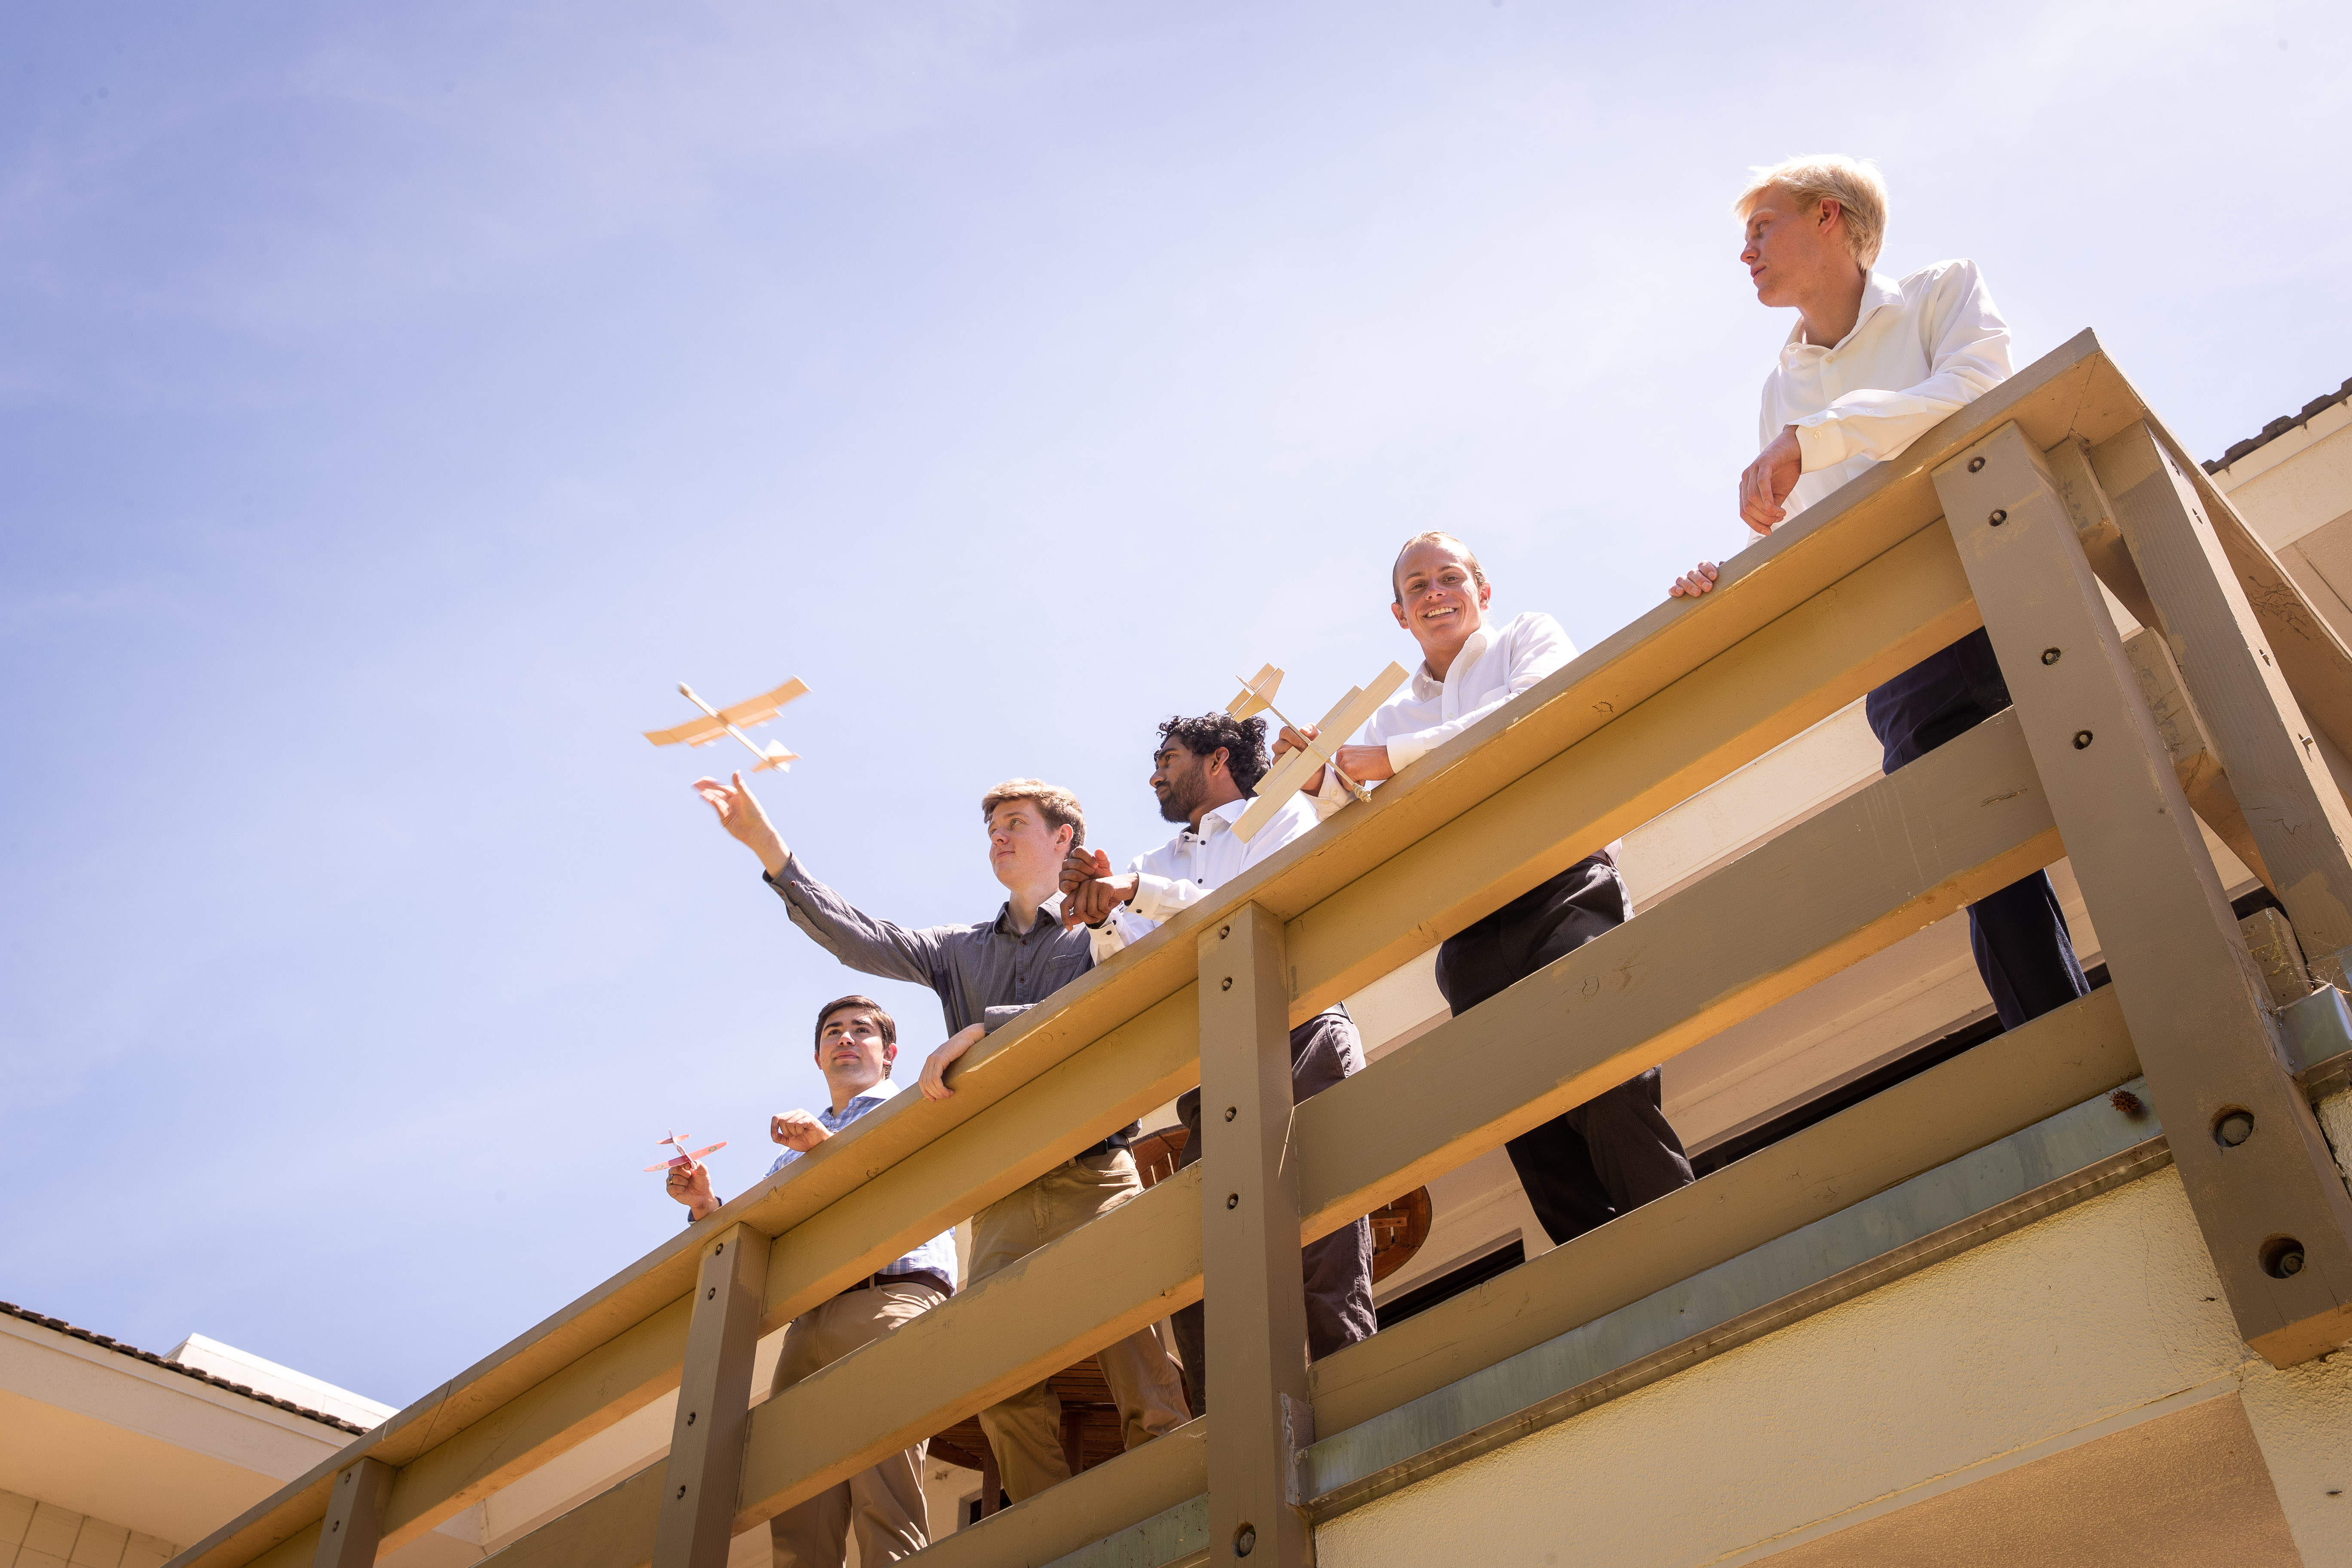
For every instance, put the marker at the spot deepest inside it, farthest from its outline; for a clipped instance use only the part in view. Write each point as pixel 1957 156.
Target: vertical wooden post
pixel 2267 1196
pixel 348 1535
pixel 1256 1330
pixel 2268 749
pixel 705 1446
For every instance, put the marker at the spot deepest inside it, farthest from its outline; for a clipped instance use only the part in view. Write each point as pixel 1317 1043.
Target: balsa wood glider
pixel 1282 780
pixel 686 1157
pixel 718 721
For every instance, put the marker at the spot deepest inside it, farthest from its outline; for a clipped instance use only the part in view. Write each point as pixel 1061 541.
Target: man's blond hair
pixel 1433 536
pixel 1058 806
pixel 1854 183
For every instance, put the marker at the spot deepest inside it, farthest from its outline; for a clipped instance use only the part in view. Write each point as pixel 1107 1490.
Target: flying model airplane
pixel 718 721
pixel 677 1141
pixel 1282 780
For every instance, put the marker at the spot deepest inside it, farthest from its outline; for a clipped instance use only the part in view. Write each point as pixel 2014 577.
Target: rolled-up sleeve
pixel 848 934
pixel 1967 351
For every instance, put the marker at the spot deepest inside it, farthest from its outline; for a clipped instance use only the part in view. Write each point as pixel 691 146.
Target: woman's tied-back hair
pixel 882 1020
pixel 1058 806
pixel 1855 183
pixel 1242 740
pixel 1435 536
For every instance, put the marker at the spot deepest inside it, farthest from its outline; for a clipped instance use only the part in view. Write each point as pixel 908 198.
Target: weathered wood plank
pixel 1257 1328
pixel 2010 1082
pixel 706 1444
pixel 349 1534
pixel 2273 1209
pixel 2292 808
pixel 1085 1508
pixel 1067 1300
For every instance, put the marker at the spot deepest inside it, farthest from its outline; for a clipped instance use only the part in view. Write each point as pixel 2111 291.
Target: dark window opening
pixel 1449 1284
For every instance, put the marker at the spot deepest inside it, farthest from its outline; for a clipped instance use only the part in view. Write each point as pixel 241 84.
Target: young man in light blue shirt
pixel 855 1043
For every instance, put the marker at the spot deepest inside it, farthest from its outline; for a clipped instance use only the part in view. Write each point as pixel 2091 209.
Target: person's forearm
pixel 764 843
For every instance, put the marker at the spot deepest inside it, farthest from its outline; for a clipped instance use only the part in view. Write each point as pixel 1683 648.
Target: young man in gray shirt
pixel 984 974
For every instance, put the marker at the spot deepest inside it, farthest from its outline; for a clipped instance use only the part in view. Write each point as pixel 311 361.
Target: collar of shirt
pixel 1877 293
pixel 863 1100
pixel 1047 920
pixel 1215 822
pixel 1426 686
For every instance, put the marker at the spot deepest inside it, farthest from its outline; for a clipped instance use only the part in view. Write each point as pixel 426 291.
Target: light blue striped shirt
pixel 939 1254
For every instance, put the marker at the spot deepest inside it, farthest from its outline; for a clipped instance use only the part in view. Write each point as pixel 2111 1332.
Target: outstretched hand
pixel 739 812
pixel 690 1184
pixel 934 1081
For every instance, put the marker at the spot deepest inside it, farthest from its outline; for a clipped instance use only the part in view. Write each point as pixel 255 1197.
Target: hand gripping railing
pixel 1998 517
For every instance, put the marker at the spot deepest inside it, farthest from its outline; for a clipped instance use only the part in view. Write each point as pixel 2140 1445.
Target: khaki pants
pixel 885 1504
pixel 1025 1431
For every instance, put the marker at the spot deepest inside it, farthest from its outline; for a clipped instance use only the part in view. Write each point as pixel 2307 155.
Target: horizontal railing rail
pixel 1852 592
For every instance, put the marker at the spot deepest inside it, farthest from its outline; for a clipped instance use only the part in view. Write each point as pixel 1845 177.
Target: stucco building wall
pixel 2086 1325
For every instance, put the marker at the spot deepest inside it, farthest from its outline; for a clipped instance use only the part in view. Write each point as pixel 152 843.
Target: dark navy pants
pixel 1337 1271
pixel 2019 935
pixel 1616 1152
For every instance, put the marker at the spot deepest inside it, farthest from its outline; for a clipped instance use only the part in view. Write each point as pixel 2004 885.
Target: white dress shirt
pixel 1494 664
pixel 1185 870
pixel 937 1256
pixel 1920 349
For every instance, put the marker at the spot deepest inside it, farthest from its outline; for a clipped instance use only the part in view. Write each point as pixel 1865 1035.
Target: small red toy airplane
pixel 677 1141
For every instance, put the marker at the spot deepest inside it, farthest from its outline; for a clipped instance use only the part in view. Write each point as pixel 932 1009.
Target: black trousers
pixel 1336 1271
pixel 1616 1152
pixel 2019 935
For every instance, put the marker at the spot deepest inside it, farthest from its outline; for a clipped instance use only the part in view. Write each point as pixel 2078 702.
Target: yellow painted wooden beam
pixel 614 1528
pixel 1085 1508
pixel 1063 1302
pixel 614 1380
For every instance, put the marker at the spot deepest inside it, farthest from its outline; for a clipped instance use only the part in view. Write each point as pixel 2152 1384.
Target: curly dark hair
pixel 1242 740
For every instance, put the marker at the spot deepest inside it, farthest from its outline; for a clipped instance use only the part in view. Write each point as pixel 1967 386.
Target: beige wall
pixel 2093 1322
pixel 35 1534
pixel 2295 493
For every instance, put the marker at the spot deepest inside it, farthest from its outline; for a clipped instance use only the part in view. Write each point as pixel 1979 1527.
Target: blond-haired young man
pixel 1871 365
pixel 985 974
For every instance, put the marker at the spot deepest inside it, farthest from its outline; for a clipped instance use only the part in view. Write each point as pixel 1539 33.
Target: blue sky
pixel 397 401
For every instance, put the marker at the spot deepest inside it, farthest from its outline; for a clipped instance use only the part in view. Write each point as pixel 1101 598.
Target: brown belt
pixel 933 1278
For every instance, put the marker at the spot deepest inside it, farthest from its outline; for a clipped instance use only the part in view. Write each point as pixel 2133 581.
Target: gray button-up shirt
pixel 987 973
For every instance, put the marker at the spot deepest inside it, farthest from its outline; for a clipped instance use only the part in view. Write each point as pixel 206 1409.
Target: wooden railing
pixel 2060 473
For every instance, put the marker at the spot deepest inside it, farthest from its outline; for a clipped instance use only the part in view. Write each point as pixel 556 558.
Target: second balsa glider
pixel 1283 780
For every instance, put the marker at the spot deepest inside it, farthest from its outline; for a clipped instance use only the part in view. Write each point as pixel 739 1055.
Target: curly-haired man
pixel 1205 773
